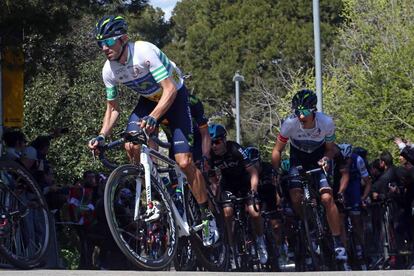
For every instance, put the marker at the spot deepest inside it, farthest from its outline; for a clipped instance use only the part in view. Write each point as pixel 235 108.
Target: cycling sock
pixel 337 241
pixel 260 239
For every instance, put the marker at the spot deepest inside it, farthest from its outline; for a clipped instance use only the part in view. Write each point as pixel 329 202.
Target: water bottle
pixel 178 200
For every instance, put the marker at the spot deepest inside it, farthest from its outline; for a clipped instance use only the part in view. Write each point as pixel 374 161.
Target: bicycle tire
pixel 307 216
pixel 215 257
pixel 131 236
pixel 29 236
pixel 184 259
pixel 241 252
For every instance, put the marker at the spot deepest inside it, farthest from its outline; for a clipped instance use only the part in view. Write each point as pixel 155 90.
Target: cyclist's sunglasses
pixel 109 42
pixel 304 112
pixel 216 142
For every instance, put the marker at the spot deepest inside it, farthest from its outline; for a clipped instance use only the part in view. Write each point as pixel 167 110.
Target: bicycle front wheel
pixel 150 242
pixel 24 227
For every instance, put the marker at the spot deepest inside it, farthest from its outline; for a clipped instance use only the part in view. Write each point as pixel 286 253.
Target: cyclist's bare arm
pixel 367 187
pixel 205 141
pixel 111 115
pixel 254 177
pixel 277 153
pixel 343 183
pixel 330 150
pixel 169 92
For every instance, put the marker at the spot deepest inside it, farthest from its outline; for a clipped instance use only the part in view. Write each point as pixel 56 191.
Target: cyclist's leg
pixel 295 191
pixel 332 215
pixel 179 117
pixel 143 108
pixel 353 200
pixel 268 196
pixel 257 225
pixel 228 211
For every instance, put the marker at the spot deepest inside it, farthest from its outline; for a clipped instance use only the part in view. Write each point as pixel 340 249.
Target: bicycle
pixel 24 217
pixel 150 203
pixel 388 237
pixel 245 252
pixel 313 226
pixel 271 245
pixel 356 259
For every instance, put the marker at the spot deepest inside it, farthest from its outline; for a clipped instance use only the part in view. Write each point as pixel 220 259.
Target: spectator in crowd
pixel 35 154
pixel 15 142
pixel 82 213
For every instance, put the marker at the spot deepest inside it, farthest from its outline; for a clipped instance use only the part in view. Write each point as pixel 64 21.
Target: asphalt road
pixel 172 273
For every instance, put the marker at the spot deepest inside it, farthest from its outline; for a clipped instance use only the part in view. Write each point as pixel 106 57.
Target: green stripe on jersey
pixel 330 138
pixel 111 93
pixel 164 59
pixel 160 73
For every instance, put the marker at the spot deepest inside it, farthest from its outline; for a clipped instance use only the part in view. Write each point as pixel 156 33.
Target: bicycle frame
pixel 150 169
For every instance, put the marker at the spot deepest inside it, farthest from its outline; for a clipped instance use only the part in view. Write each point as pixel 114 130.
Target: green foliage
pixel 368 82
pixel 212 39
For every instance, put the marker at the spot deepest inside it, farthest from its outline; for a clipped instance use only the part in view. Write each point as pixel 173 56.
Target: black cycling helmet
pixel 360 151
pixel 217 131
pixel 253 153
pixel 304 99
pixel 110 26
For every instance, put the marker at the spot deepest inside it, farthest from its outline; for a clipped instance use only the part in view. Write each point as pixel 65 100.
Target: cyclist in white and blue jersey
pixel 312 136
pixel 145 69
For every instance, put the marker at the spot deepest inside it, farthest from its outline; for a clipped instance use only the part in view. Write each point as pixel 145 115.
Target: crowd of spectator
pixel 79 206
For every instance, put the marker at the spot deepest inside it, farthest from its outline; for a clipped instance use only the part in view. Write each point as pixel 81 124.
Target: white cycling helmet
pixel 346 150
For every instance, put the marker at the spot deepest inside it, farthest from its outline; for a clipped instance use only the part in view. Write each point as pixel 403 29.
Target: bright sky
pixel 166 5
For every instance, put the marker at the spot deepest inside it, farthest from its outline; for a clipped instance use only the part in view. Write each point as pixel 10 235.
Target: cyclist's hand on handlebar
pixel 324 163
pixel 94 143
pixel 148 123
pixel 340 198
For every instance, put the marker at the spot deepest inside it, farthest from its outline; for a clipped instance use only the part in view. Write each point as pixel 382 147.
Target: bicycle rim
pixel 26 234
pixel 151 244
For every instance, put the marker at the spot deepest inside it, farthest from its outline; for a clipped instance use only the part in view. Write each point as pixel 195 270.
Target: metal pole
pixel 317 41
pixel 1 98
pixel 237 79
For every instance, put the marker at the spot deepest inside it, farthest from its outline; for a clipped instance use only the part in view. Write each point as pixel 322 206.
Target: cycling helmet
pixel 361 152
pixel 346 150
pixel 253 153
pixel 304 99
pixel 285 165
pixel 217 131
pixel 110 26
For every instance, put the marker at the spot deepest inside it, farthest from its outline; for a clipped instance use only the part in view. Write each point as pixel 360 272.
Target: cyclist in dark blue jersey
pixel 201 138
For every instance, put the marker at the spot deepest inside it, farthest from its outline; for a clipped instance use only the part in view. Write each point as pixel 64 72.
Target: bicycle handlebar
pixel 302 172
pixel 140 137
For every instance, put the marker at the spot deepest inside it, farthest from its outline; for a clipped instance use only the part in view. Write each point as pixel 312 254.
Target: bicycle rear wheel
pixel 215 257
pixel 25 230
pixel 151 241
pixel 185 259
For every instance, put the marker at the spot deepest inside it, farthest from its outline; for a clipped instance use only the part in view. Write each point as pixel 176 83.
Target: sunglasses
pixel 304 112
pixel 216 142
pixel 109 42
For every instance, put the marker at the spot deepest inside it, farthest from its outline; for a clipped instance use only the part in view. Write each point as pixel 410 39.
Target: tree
pixel 213 38
pixel 368 79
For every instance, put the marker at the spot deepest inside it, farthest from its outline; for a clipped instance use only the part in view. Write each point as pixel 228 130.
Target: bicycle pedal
pixel 198 227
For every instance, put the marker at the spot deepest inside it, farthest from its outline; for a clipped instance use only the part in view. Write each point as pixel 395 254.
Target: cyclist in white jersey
pixel 312 136
pixel 145 69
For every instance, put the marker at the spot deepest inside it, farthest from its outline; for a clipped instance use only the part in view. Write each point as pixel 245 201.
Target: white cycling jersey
pixel 307 140
pixel 145 68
